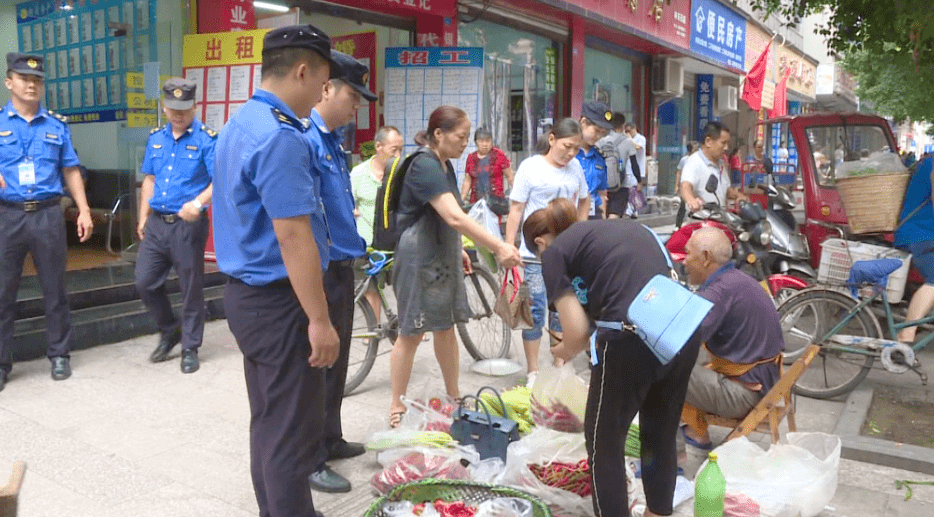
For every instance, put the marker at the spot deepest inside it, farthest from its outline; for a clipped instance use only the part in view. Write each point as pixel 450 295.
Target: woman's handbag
pixel 664 314
pixel 513 303
pixel 499 205
pixel 490 434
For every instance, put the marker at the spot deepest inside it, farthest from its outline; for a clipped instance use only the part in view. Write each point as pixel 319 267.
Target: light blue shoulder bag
pixel 664 314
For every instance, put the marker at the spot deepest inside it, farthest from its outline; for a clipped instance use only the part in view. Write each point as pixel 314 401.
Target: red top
pixel 498 163
pixel 735 163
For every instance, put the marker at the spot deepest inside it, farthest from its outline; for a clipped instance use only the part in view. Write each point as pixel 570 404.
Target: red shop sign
pixel 670 23
pixel 225 16
pixel 402 7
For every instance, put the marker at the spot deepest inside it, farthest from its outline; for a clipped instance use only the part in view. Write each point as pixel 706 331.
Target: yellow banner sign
pixel 140 120
pixel 139 101
pixel 134 80
pixel 224 48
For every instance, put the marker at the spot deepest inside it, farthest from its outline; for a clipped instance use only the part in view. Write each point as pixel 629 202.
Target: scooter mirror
pixel 712 183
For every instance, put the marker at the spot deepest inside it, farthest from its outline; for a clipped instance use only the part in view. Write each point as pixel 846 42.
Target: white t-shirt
pixel 696 171
pixel 538 183
pixel 782 153
pixel 639 140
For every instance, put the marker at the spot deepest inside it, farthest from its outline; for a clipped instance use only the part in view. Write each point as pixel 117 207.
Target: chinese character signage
pixel 403 7
pixel 718 32
pixel 551 70
pixel 225 16
pixel 226 67
pixel 436 31
pixel 420 79
pixel 88 48
pixel 361 46
pixel 668 21
pixel 704 103
pixel 803 75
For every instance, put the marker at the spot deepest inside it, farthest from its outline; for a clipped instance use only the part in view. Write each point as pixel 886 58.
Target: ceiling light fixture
pixel 271 7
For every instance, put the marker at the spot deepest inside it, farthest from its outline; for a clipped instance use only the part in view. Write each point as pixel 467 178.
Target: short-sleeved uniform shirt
pixel 182 168
pixel 538 183
pixel 33 154
pixel 594 165
pixel 743 326
pixel 338 200
pixel 486 174
pixel 697 169
pixel 605 263
pixel 364 188
pixel 263 171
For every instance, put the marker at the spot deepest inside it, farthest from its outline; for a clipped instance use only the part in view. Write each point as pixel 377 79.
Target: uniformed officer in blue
pixel 595 120
pixel 342 97
pixel 272 241
pixel 36 159
pixel 173 226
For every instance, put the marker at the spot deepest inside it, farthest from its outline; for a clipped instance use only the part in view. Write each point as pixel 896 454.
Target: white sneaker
pixel 530 380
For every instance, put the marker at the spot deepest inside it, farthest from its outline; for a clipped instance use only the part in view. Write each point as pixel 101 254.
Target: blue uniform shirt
pixel 263 171
pixel 182 167
pixel 594 166
pixel 331 166
pixel 42 146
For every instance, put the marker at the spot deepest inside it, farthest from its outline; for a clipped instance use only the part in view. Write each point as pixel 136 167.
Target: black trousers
pixel 338 287
pixel 627 380
pixel 179 245
pixel 42 234
pixel 286 394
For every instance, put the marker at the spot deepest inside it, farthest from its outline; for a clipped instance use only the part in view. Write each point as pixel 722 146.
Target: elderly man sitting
pixel 742 334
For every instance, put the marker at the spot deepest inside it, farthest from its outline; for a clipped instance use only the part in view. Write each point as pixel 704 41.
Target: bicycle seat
pixel 875 272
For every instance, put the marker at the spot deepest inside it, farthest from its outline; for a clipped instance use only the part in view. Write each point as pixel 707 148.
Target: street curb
pixel 873 450
pixel 656 220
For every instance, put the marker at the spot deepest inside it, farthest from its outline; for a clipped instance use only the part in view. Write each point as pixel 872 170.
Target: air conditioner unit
pixel 667 77
pixel 726 99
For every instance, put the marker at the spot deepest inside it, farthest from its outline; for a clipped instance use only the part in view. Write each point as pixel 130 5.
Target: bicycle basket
pixel 450 491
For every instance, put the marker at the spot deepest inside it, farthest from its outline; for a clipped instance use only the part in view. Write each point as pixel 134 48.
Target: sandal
pixel 395 418
pixel 694 443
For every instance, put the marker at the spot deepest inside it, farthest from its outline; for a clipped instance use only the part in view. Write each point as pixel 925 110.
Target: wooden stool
pixel 777 404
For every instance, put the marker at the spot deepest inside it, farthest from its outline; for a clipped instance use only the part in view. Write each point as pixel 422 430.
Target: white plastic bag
pixel 799 477
pixel 878 163
pixel 559 399
pixel 505 507
pixel 481 213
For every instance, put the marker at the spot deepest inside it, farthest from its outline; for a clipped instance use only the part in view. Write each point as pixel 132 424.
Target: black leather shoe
pixel 2 380
pixel 166 344
pixel 326 480
pixel 319 514
pixel 344 449
pixel 190 361
pixel 61 368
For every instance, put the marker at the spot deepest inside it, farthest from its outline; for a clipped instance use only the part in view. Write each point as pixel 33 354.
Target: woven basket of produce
pixel 451 493
pixel 873 202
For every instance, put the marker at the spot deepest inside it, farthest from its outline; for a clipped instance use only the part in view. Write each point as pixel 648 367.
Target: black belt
pixel 343 263
pixel 276 284
pixel 32 206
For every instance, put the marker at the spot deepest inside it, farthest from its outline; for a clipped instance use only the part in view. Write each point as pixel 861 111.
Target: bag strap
pixel 661 245
pixel 912 214
pixel 477 404
pixel 501 403
pixel 516 282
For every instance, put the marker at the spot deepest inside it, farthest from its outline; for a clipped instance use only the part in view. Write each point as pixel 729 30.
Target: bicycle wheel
pixel 805 318
pixel 364 341
pixel 486 335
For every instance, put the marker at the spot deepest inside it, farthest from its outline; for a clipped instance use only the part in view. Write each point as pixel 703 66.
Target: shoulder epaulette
pixel 154 130
pixel 211 133
pixel 287 120
pixel 62 118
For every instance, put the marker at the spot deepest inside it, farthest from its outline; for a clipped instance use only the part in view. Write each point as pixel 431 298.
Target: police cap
pixel 352 72
pixel 179 93
pixel 302 36
pixel 26 64
pixel 598 113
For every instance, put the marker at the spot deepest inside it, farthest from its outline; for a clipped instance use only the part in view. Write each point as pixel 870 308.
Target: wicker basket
pixel 451 491
pixel 873 202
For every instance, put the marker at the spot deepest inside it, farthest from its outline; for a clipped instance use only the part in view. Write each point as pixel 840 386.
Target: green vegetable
pixel 400 438
pixel 633 443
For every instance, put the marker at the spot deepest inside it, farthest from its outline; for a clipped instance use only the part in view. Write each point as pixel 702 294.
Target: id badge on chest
pixel 27 173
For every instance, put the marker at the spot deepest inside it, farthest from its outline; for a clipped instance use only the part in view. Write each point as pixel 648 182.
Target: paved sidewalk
pixel 124 437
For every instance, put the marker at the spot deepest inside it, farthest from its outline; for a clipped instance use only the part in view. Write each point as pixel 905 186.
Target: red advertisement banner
pixel 402 7
pixel 225 16
pixel 668 22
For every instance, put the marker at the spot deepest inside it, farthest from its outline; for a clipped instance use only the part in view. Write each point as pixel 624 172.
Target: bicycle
pixel 491 337
pixel 852 344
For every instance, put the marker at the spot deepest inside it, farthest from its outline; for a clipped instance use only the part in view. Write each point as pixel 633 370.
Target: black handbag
pixel 498 205
pixel 490 434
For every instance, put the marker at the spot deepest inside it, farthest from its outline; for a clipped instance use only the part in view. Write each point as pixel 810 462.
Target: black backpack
pixel 386 231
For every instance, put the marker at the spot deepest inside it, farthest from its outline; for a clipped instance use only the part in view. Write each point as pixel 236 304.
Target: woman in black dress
pixel 428 274
pixel 593 270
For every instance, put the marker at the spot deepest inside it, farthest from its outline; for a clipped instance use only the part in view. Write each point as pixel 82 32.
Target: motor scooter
pixel 750 235
pixel 789 253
